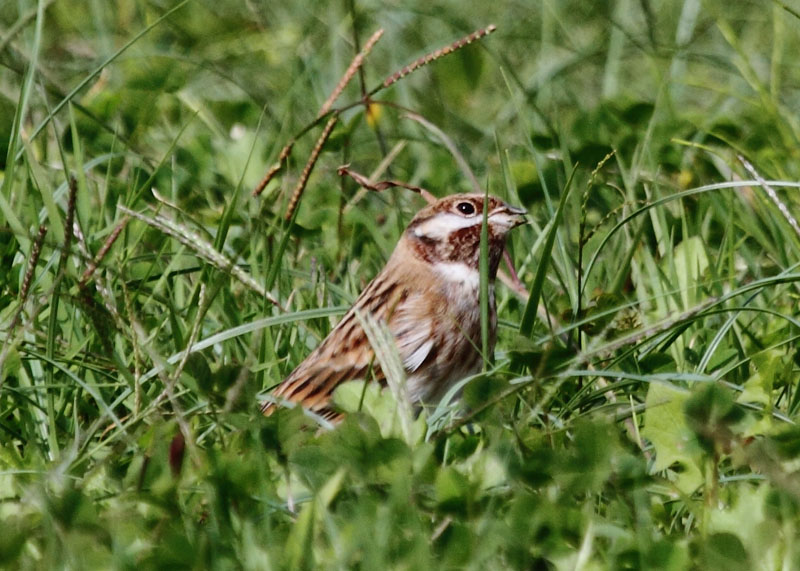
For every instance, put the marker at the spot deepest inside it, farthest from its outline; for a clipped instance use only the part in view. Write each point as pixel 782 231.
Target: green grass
pixel 641 408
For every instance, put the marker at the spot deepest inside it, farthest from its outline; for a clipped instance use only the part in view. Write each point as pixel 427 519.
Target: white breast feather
pixel 459 273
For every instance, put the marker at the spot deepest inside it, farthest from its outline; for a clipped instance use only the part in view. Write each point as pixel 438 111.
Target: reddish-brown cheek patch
pixel 463 245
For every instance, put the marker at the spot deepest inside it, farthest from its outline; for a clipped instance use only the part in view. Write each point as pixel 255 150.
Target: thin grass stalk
pixel 351 71
pixel 433 56
pixel 784 210
pixel 20 115
pixel 582 239
pixel 203 249
pixel 137 353
pixel 274 169
pixel 101 254
pixel 483 268
pixel 36 250
pixel 52 333
pixel 312 161
pixel 69 231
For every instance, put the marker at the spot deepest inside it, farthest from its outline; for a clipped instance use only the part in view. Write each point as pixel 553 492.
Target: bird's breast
pixel 460 285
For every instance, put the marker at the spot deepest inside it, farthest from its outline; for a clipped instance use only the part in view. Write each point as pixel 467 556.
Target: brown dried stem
pixel 350 73
pixel 312 161
pixel 384 184
pixel 36 251
pixel 273 170
pixel 428 58
pixel 87 275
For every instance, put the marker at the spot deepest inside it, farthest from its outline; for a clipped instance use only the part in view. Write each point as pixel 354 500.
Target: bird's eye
pixel 466 208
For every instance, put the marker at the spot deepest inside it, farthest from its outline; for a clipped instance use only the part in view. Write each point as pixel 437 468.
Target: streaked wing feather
pixel 412 325
pixel 344 355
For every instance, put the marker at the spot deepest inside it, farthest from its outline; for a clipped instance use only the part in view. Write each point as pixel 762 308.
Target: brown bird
pixel 428 296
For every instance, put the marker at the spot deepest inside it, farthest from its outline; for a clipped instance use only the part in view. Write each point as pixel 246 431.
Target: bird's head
pixel 449 230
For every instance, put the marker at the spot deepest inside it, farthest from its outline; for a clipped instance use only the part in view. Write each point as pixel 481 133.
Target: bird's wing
pixel 336 360
pixel 413 324
pixel 346 353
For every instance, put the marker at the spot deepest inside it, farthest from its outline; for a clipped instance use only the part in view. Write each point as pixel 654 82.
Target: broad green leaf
pixel 712 414
pixel 772 367
pixel 665 426
pixel 453 490
pixel 744 516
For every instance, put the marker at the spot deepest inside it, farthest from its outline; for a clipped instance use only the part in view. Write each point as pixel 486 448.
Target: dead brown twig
pixel 382 185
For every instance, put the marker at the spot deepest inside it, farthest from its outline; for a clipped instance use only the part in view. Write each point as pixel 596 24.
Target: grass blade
pixel 528 317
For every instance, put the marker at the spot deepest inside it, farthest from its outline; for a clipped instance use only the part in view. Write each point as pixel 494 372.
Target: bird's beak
pixel 509 216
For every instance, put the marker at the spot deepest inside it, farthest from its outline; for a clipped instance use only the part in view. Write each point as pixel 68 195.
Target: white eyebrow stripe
pixel 441 225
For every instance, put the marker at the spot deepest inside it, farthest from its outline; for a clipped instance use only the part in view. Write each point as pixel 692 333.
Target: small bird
pixel 428 296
